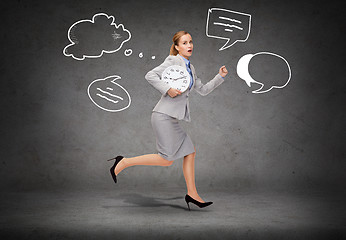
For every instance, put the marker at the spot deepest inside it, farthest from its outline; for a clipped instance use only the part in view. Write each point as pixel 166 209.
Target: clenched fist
pixel 223 71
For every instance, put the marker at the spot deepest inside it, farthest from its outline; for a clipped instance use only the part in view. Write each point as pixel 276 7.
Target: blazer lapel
pixel 181 61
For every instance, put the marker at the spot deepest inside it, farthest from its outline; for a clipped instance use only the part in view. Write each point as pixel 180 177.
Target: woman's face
pixel 185 46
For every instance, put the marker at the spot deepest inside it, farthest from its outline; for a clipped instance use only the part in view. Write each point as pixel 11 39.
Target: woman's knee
pixel 166 162
pixel 193 154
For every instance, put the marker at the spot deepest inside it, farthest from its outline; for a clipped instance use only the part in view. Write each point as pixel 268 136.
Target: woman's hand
pixel 223 71
pixel 172 92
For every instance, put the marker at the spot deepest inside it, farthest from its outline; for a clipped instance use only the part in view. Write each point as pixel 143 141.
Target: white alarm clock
pixel 177 77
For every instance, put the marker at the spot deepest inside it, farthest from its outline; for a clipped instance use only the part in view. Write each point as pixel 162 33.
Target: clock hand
pixel 178 78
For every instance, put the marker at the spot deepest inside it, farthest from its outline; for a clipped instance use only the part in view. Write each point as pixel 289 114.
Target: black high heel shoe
pixel 189 199
pixel 117 160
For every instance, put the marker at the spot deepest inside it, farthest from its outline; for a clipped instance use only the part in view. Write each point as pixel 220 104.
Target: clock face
pixel 176 77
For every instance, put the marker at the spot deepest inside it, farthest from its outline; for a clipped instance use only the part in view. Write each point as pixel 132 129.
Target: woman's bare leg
pixel 149 159
pixel 189 174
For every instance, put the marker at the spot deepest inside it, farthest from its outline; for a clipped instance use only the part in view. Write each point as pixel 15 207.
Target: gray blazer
pixel 178 107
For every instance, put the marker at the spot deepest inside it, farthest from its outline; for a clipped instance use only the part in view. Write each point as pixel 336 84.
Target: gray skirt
pixel 172 142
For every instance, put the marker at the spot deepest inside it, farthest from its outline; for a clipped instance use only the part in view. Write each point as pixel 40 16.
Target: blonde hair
pixel 175 39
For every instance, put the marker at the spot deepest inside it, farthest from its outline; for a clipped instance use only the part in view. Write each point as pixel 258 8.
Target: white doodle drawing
pixel 229 25
pixel 140 55
pixel 243 72
pixel 153 57
pixel 128 52
pixel 109 95
pixel 92 38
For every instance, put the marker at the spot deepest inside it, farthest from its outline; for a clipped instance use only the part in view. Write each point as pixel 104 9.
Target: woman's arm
pixel 205 89
pixel 154 76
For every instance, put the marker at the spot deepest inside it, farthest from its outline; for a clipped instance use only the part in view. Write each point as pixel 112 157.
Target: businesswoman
pixel 171 140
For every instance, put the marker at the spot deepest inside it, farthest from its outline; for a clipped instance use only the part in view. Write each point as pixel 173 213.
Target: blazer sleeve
pixel 154 76
pixel 205 89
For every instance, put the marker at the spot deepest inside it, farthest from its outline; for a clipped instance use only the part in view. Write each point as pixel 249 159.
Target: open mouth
pixel 190 51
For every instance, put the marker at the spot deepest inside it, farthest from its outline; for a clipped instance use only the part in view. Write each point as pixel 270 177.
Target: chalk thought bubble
pixel 109 95
pixel 271 71
pixel 92 38
pixel 229 25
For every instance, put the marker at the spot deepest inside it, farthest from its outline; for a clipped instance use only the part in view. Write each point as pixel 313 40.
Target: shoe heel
pixel 188 206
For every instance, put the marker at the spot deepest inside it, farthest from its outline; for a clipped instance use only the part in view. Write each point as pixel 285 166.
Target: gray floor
pixel 163 213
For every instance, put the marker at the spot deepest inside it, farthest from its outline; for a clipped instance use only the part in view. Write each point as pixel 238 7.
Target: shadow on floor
pixel 140 200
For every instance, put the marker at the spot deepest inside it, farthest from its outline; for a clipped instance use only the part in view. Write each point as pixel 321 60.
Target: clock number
pixel 185 81
pixel 181 72
pixel 172 70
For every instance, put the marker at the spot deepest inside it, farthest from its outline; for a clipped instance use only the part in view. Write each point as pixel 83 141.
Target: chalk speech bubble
pixel 243 72
pixel 229 25
pixel 109 95
pixel 92 38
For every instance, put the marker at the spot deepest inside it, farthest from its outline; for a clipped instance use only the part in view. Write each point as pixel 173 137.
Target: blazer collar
pixel 182 63
pixel 181 60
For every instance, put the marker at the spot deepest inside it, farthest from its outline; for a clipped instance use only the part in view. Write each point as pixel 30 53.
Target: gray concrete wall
pixel 53 136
